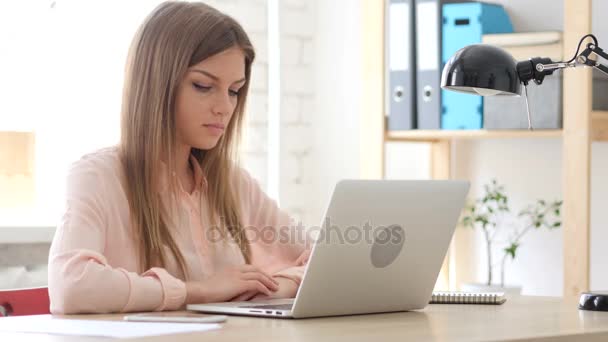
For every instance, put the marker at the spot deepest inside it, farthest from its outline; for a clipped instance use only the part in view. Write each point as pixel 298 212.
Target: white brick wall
pixel 291 50
pixel 297 24
pixel 259 77
pixel 252 15
pixel 297 18
pixel 260 42
pixel 307 54
pixel 297 35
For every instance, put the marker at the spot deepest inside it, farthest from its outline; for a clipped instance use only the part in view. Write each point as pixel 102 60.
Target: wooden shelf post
pixel 372 128
pixel 576 152
pixel 441 169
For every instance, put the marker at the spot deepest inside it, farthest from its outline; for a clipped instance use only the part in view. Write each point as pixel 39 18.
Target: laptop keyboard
pixel 269 306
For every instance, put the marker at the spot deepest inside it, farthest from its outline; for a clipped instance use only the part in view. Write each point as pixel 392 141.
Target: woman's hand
pixel 287 289
pixel 230 283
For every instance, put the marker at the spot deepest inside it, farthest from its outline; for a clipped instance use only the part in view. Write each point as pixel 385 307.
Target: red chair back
pixel 22 302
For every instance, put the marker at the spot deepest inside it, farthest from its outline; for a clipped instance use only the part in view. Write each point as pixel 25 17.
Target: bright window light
pixel 62 65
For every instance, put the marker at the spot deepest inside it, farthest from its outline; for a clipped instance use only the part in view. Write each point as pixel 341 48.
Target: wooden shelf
pixel 437 135
pixel 599 132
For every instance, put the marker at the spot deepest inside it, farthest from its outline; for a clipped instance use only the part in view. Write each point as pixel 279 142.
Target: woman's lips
pixel 215 128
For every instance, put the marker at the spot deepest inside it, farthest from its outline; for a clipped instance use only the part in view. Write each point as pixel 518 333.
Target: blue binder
pixel 464 24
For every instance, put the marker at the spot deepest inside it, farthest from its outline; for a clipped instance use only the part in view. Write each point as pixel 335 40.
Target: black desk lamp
pixel 488 70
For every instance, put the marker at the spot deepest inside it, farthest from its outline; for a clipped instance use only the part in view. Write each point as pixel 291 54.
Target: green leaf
pixel 512 249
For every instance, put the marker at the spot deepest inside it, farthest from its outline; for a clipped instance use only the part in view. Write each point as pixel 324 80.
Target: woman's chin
pixel 206 145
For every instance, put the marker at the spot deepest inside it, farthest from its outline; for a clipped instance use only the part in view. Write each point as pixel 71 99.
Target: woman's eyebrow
pixel 212 76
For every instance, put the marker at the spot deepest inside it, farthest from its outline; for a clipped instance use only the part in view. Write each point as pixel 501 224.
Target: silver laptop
pixel 379 249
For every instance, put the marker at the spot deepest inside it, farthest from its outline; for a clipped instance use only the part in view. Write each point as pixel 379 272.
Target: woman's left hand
pixel 287 289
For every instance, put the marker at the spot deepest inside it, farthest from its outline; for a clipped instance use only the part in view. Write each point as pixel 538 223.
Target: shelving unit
pixel 581 126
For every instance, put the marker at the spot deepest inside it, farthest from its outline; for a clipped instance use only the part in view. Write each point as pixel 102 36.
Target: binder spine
pixel 400 64
pixel 428 63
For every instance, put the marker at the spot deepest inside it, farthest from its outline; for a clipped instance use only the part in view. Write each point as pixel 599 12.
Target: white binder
pixel 401 65
pixel 428 62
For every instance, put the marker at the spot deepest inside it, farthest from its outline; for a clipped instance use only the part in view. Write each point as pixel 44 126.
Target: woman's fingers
pixel 253 269
pixel 245 296
pixel 255 285
pixel 268 283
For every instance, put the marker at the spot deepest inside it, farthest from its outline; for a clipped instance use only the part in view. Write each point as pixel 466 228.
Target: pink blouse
pixel 93 265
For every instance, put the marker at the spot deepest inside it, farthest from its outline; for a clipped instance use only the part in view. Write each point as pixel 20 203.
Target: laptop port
pixel 279 313
pixel 269 312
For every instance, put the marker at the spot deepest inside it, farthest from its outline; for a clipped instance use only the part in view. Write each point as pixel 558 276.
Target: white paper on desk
pixel 47 324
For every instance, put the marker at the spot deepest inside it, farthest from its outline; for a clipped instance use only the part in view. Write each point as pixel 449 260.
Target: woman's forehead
pixel 228 65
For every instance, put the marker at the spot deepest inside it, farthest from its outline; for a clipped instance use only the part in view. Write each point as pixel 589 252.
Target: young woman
pixel 168 218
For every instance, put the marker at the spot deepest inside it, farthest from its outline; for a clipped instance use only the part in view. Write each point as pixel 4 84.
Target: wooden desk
pixel 520 318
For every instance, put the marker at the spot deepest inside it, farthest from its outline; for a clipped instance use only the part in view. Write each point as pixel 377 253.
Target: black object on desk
pixel 593 301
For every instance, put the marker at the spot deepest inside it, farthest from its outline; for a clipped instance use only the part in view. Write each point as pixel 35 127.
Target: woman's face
pixel 206 98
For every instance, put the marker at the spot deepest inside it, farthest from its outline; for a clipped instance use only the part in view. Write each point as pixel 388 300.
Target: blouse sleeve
pixel 279 246
pixel 80 278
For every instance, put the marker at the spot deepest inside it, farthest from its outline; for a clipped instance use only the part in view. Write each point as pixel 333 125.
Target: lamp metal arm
pixel 537 68
pixel 581 60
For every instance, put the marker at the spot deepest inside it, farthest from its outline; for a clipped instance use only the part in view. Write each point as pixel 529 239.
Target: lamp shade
pixel 483 70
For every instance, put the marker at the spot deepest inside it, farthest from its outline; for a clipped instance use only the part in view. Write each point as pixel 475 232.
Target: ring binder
pixel 428 63
pixel 400 67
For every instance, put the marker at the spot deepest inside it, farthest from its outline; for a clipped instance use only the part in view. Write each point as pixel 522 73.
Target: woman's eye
pixel 201 87
pixel 234 93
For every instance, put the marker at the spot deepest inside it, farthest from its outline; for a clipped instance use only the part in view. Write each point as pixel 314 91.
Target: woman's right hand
pixel 229 284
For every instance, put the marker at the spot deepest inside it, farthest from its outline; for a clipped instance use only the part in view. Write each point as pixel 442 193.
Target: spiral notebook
pixel 496 298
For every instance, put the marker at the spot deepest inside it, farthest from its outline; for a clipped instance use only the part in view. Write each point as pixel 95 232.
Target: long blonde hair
pixel 175 36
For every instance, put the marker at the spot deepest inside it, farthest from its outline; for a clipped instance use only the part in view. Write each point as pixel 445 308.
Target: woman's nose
pixel 223 105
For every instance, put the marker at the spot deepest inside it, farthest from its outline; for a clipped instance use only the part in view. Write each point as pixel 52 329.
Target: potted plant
pixel 489 213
